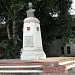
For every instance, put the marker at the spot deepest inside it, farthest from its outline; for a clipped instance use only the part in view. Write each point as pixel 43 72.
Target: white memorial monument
pixel 32 42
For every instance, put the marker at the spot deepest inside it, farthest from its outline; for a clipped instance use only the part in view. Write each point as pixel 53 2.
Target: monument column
pixel 32 42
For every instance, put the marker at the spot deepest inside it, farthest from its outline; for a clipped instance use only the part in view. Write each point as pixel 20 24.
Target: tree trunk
pixel 14 29
pixel 8 32
pixel 14 33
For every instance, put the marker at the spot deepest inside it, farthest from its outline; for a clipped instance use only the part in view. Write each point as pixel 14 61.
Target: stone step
pixel 54 69
pixel 21 71
pixel 22 74
pixel 25 70
pixel 25 63
pixel 30 67
pixel 68 64
pixel 36 67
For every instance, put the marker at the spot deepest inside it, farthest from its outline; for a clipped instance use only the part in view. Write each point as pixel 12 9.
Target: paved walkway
pixel 71 72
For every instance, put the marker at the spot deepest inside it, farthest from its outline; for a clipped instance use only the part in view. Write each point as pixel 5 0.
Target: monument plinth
pixel 32 42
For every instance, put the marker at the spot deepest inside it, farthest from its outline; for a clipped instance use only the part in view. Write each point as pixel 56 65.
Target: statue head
pixel 30 5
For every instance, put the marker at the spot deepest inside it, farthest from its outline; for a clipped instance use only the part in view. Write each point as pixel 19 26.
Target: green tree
pixel 10 9
pixel 15 12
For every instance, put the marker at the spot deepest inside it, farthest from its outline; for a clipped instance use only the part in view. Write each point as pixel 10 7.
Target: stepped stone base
pixel 49 66
pixel 46 67
pixel 33 55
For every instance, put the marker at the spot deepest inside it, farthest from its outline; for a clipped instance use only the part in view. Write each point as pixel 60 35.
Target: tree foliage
pixel 15 11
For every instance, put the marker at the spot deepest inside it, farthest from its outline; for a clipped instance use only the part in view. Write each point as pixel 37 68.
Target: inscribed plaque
pixel 28 41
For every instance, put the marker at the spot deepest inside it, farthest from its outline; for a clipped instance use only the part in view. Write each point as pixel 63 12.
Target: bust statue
pixel 30 11
pixel 30 5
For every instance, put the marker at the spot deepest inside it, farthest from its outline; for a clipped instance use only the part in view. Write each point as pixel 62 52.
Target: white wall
pixel 72 49
pixel 55 48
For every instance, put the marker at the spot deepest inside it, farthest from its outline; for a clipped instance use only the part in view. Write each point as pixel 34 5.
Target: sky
pixel 73 8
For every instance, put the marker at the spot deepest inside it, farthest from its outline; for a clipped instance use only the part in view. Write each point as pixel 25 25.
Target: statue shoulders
pixel 30 11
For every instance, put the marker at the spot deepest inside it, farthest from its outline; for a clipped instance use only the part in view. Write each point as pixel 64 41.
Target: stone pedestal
pixel 32 42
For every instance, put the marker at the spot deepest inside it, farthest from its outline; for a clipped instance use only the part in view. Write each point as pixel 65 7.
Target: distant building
pixel 61 48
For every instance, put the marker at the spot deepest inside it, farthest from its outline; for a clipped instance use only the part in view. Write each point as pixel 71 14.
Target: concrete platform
pixel 49 66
